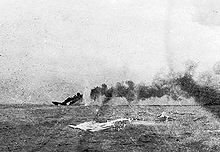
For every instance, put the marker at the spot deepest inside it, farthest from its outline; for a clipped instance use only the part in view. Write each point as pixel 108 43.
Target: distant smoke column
pixel 86 92
pixel 167 37
pixel 216 68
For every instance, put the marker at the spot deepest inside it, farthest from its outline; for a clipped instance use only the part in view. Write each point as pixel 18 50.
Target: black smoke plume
pixel 175 85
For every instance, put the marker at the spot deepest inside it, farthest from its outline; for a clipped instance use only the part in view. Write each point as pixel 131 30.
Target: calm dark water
pixel 45 128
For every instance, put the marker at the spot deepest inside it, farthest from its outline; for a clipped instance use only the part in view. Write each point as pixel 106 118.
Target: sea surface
pixel 45 128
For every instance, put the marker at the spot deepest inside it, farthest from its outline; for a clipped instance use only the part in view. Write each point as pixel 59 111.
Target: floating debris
pixel 118 123
pixel 94 126
pixel 164 117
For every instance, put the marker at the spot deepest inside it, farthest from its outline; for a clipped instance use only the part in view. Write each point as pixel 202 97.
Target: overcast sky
pixel 95 41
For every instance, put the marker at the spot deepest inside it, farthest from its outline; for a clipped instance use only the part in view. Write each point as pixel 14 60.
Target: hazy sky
pixel 94 41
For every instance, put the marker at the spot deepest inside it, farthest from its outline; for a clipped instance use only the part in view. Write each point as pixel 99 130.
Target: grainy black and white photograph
pixel 109 75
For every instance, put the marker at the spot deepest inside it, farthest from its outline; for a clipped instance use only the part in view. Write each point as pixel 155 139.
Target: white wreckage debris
pixel 94 126
pixel 164 117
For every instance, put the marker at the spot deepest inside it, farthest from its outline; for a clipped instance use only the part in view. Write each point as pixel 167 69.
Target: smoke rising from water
pixel 68 42
pixel 167 36
pixel 176 86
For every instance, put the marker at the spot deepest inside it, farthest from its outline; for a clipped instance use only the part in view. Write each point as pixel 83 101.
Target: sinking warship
pixel 70 100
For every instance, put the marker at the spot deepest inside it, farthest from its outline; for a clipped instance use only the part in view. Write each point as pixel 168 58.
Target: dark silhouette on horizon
pixel 70 100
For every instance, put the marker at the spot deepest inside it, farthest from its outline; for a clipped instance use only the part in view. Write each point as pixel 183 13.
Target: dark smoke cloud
pixel 174 85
